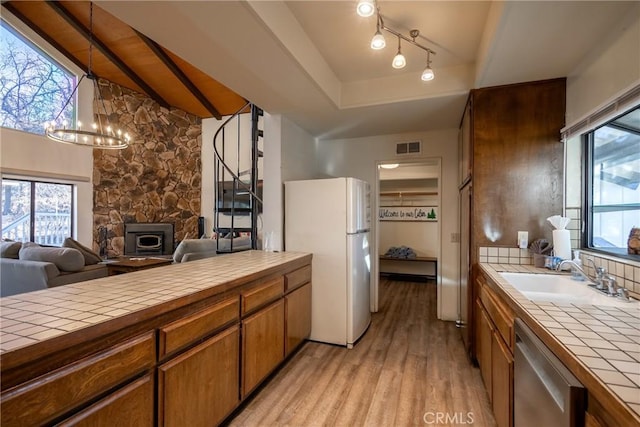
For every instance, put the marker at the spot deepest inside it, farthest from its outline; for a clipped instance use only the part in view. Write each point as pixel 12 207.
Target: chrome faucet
pixel 612 288
pixel 575 266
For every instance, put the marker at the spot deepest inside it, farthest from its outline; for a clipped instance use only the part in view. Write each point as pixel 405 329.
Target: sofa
pixel 27 267
pixel 194 249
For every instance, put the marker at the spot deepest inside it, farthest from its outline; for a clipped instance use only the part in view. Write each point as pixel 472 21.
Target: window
pixel 613 183
pixel 33 87
pixel 35 211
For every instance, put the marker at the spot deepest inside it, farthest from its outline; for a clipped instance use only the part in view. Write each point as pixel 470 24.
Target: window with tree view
pixel 33 87
pixel 35 211
pixel 613 187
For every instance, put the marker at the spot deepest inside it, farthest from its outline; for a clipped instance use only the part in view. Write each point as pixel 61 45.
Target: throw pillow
pixel 10 249
pixel 90 257
pixel 66 259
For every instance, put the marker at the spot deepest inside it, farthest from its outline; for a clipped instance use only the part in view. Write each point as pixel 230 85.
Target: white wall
pixel 28 156
pixel 359 158
pixel 289 155
pixel 612 67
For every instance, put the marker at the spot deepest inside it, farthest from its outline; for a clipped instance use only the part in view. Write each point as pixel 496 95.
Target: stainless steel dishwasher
pixel 545 392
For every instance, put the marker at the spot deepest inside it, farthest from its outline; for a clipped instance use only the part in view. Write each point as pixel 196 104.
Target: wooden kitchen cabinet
pixel 48 397
pixel 200 387
pixel 494 350
pixel 132 405
pixel 484 334
pixel 189 361
pixel 511 158
pixel 263 337
pixel 298 321
pixel 501 382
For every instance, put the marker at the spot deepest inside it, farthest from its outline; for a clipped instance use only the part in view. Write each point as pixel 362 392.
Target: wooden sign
pixel 408 213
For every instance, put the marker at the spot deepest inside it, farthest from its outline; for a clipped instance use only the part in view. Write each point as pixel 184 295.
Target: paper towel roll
pixel 562 244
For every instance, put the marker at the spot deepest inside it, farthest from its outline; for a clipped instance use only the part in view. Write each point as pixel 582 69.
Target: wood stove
pixel 148 238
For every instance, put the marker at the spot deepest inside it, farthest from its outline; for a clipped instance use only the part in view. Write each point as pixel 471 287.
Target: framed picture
pixel 408 213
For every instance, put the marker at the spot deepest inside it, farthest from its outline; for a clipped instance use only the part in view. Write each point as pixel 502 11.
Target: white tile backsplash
pixel 627 273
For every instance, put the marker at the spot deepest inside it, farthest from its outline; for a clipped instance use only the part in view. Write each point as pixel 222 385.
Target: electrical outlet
pixel 523 239
pixel 455 237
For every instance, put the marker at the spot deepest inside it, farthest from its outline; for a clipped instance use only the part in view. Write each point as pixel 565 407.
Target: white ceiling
pixel 311 61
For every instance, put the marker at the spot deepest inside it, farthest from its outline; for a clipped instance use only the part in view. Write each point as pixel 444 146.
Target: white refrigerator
pixel 330 218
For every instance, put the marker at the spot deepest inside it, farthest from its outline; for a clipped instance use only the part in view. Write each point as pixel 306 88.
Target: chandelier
pixel 366 8
pixel 101 133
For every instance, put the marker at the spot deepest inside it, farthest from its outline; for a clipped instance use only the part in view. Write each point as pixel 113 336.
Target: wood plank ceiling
pixel 126 57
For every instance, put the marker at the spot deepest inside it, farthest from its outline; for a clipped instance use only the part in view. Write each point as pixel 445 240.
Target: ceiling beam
pixel 177 71
pixel 102 47
pixel 57 46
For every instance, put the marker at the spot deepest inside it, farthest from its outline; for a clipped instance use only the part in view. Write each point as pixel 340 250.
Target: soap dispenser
pixel 575 274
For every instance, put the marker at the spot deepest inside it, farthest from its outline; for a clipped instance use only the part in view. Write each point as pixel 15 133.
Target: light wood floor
pixel 407 365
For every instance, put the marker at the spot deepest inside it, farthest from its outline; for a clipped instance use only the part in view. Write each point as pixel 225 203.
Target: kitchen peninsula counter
pixel 160 314
pixel 599 345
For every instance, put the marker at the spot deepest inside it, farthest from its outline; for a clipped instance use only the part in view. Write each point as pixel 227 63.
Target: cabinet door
pixel 502 382
pixel 484 337
pixel 200 387
pixel 131 405
pixel 298 325
pixel 262 344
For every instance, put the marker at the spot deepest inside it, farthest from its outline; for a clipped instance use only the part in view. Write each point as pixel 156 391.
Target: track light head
pixel 427 74
pixel 366 8
pixel 378 42
pixel 399 61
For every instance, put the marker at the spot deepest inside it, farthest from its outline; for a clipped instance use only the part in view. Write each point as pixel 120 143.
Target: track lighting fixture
pixel 366 8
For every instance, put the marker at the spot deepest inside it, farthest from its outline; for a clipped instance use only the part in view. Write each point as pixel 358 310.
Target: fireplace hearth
pixel 149 238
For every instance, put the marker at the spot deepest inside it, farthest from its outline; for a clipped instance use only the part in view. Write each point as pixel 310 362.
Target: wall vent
pixel 406 148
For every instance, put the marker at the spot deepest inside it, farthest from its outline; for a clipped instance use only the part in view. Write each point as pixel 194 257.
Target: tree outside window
pixel 33 87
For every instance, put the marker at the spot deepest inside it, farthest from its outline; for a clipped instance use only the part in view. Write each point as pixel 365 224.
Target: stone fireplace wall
pixel 156 179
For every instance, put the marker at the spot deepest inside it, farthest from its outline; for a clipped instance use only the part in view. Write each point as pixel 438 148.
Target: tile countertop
pixel 605 341
pixel 29 318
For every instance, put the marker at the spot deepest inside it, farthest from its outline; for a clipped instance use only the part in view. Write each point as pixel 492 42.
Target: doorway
pixel 407 200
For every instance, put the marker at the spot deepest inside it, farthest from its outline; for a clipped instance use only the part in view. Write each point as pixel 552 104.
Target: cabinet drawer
pixel 500 314
pixel 181 333
pixel 43 399
pixel 297 278
pixel 262 294
pixel 131 405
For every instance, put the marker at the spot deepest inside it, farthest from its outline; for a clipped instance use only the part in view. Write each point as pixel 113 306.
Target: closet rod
pixel 408 193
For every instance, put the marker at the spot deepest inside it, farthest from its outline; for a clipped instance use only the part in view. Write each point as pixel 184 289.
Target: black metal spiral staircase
pixel 237 184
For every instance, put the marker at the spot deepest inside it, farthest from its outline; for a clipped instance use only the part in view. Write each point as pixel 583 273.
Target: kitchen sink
pixel 561 289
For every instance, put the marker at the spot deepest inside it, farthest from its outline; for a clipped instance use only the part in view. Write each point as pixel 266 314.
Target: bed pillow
pixel 66 259
pixel 90 257
pixel 10 249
